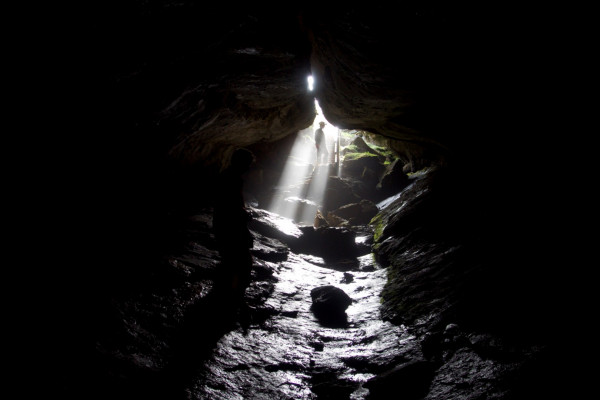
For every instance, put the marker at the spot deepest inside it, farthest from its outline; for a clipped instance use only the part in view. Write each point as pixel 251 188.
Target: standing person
pixel 230 226
pixel 322 152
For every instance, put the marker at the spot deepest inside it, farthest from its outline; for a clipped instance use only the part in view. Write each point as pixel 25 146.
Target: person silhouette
pixel 322 153
pixel 230 226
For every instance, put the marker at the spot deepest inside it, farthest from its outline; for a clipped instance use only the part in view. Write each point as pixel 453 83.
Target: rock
pixel 363 147
pixel 262 271
pixel 331 243
pixel 297 209
pixel 368 168
pixel 338 193
pixel 410 381
pixel 326 384
pixel 336 242
pixel 348 277
pixel 317 345
pixel 394 179
pixel 451 329
pixel 274 226
pixel 320 220
pixel 269 249
pixel 329 304
pixel 334 220
pixel 330 297
pixel 356 213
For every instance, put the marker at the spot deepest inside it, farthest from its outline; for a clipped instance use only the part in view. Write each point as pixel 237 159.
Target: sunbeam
pixel 301 189
pixel 298 167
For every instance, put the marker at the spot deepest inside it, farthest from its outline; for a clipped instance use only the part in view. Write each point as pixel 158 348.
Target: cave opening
pixel 299 190
pixel 303 183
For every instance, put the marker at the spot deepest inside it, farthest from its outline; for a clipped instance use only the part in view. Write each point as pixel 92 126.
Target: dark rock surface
pixel 329 303
pixel 356 213
pixel 412 379
pixel 394 179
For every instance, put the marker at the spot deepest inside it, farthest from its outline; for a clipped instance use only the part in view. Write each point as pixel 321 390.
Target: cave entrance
pixel 302 187
pixel 303 182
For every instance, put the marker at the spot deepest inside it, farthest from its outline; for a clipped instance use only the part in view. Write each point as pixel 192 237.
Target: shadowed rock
pixel 354 214
pixel 330 304
pixel 394 179
pixel 409 381
pixel 331 243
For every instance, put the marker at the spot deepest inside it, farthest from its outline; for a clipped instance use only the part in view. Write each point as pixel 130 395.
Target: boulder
pixel 394 179
pixel 329 304
pixel 356 213
pixel 328 242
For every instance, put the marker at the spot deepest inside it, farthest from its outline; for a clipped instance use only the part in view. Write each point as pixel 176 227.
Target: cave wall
pixel 180 82
pixel 193 80
pixel 139 101
pixel 133 97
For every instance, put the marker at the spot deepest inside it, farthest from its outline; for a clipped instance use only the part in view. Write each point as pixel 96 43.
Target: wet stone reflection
pixel 287 352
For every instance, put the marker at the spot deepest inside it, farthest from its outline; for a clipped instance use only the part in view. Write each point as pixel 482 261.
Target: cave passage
pixel 303 183
pixel 287 353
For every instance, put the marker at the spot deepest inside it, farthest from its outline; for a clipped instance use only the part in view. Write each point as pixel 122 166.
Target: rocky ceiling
pixel 188 80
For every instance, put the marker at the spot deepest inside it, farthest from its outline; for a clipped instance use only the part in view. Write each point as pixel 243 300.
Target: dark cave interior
pixel 151 97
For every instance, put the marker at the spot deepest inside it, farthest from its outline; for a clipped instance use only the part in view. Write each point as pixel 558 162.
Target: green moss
pixel 351 148
pixel 422 171
pixel 389 292
pixel 378 225
pixel 389 154
pixel 356 156
pixel 348 136
pixel 383 150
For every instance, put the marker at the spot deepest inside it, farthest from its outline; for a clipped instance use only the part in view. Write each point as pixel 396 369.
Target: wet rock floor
pixel 292 355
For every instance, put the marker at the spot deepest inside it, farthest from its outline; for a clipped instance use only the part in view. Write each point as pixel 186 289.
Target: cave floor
pixel 286 353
